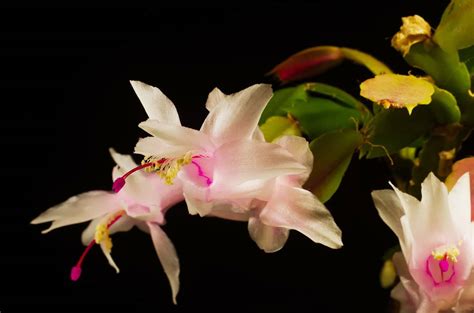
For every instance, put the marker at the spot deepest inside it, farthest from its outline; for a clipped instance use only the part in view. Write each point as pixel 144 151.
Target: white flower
pixel 435 235
pixel 142 203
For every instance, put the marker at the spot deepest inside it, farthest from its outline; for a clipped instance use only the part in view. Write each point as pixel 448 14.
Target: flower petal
pixel 107 254
pixel 152 146
pixel 167 255
pixel 299 149
pixel 156 104
pixel 215 98
pixel 243 161
pixel 177 135
pixel 390 210
pixel 299 209
pixel 459 199
pixel 78 209
pixel 268 238
pixel 124 161
pixel 238 115
pixel 434 214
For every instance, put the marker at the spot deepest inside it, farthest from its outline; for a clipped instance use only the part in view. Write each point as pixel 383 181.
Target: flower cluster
pixel 226 169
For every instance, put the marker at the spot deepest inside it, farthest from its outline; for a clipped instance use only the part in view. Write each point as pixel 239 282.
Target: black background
pixel 65 99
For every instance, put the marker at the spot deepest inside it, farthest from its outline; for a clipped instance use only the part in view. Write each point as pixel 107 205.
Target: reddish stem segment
pixel 77 269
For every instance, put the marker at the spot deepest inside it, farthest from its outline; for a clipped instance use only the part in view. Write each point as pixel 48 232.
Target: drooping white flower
pixel 143 202
pixel 435 236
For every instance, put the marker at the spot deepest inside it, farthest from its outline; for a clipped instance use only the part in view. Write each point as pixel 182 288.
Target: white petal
pixel 156 104
pixel 197 206
pixel 434 214
pixel 242 161
pixel 407 201
pixel 267 238
pixel 151 146
pixel 390 210
pixel 299 149
pixel 407 291
pixel 400 294
pixel 215 98
pixel 109 257
pixel 168 257
pixel 124 161
pixel 258 135
pixel 177 135
pixel 460 203
pixel 299 209
pixel 78 209
pixel 238 116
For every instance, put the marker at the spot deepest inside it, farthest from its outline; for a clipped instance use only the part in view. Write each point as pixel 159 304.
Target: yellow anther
pixel 102 234
pixel 450 252
pixel 168 169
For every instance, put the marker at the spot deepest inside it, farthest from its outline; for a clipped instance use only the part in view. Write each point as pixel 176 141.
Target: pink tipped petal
pixel 298 209
pixel 168 257
pixel 268 238
pixel 238 114
pixel 78 209
pixel 156 104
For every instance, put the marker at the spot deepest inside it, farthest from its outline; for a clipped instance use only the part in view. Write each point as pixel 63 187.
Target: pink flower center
pixel 77 269
pixel 441 265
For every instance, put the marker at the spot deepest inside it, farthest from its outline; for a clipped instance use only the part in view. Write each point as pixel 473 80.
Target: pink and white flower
pixel 229 171
pixel 435 236
pixel 143 202
pixel 289 206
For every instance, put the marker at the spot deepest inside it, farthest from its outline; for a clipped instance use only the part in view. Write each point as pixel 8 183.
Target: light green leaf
pixel 332 155
pixel 392 129
pixel 317 116
pixel 283 98
pixel 338 95
pixel 455 30
pixel 277 126
pixel 444 107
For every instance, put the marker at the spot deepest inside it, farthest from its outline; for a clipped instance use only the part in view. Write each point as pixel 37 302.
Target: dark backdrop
pixel 65 99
